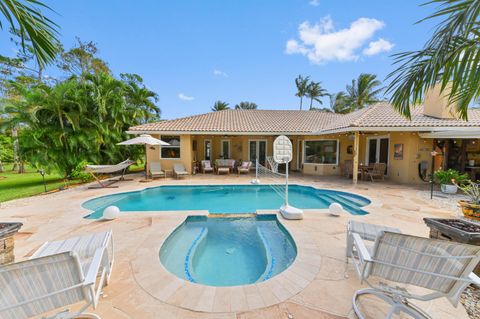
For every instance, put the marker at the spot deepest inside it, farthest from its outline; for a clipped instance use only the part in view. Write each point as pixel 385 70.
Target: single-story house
pixel 323 141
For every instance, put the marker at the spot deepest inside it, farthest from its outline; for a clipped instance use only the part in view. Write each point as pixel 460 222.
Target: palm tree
pixel 32 25
pixel 339 102
pixel 315 92
pixel 363 91
pixel 246 106
pixel 220 106
pixel 452 54
pixel 302 87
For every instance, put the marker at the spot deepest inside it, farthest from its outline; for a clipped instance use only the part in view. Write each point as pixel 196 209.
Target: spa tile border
pixel 152 276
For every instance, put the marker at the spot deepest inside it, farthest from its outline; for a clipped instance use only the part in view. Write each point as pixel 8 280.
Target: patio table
pixel 223 169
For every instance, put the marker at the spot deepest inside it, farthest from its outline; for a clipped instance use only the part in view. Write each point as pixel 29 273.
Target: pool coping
pixel 164 286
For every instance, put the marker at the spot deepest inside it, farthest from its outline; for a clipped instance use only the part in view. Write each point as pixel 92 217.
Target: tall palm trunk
pixel 311 103
pixel 301 102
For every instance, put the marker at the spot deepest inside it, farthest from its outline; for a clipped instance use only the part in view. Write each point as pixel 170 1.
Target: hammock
pixel 108 169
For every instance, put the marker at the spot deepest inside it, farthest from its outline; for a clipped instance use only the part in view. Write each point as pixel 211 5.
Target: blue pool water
pixel 228 251
pixel 224 199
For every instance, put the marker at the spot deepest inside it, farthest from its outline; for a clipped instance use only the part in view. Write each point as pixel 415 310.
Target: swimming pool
pixel 224 199
pixel 228 251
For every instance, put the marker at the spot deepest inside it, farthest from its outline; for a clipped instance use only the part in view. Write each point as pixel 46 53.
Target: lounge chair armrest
pixel 97 262
pixel 475 279
pixel 362 250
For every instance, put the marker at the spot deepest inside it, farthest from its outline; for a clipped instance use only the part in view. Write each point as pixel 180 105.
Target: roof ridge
pixel 366 111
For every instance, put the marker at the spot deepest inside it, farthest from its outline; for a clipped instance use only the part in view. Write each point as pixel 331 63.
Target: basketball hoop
pixel 282 150
pixel 282 154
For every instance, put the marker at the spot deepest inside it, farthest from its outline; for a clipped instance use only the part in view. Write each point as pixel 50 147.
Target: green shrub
pixel 79 173
pixel 447 177
pixel 6 149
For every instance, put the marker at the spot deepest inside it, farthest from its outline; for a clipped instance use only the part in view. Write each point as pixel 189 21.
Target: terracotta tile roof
pixel 384 115
pixel 254 121
pixel 302 122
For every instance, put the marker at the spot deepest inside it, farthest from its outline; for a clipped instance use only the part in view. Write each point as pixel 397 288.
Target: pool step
pixel 344 202
pixel 239 215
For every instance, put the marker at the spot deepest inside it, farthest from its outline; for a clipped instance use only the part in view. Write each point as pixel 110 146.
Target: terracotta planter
pixel 470 210
pixel 449 188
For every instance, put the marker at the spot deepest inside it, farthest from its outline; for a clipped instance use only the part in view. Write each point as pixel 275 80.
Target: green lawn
pixel 14 185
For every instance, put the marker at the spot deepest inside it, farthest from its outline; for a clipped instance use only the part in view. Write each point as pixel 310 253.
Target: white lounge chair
pixel 179 170
pixel 59 274
pixel 244 168
pixel 443 268
pixel 108 169
pixel 156 170
pixel 206 166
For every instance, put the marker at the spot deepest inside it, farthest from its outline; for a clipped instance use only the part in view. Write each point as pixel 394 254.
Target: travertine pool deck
pixel 319 284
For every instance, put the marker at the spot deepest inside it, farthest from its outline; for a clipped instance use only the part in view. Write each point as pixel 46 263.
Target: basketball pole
pixel 282 154
pixel 286 181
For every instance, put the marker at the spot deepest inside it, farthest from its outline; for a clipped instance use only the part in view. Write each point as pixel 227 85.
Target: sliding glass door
pixel 377 150
pixel 257 149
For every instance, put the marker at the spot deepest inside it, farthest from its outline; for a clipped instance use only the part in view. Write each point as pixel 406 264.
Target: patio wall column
pixel 356 148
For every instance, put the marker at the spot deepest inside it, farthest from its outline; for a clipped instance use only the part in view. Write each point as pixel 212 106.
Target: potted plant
pixel 449 180
pixel 470 207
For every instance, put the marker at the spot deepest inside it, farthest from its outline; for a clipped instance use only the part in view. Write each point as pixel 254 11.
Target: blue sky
pixel 193 53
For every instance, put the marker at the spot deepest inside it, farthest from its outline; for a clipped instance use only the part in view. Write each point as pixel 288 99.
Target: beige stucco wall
pixel 327 169
pixel 399 170
pixel 153 154
pixel 415 150
pixel 405 170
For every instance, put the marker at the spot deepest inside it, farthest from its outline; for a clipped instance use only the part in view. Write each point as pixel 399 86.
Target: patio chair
pixel 206 166
pixel 244 168
pixel 366 231
pixel 95 170
pixel 441 267
pixel 377 171
pixel 179 170
pixel 156 170
pixel 348 169
pixel 58 275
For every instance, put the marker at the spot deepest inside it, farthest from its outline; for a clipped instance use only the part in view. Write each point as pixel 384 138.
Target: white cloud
pixel 314 3
pixel 184 97
pixel 379 46
pixel 322 43
pixel 220 73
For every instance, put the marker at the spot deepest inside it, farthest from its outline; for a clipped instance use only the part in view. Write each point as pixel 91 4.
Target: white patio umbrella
pixel 144 139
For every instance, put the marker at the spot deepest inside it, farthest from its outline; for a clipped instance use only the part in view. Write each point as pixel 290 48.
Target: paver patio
pixel 319 284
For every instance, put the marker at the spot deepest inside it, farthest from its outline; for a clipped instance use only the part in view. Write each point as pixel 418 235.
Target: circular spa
pixel 232 251
pixel 224 199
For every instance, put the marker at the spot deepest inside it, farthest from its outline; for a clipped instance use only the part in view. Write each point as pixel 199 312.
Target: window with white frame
pixel 321 152
pixel 172 150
